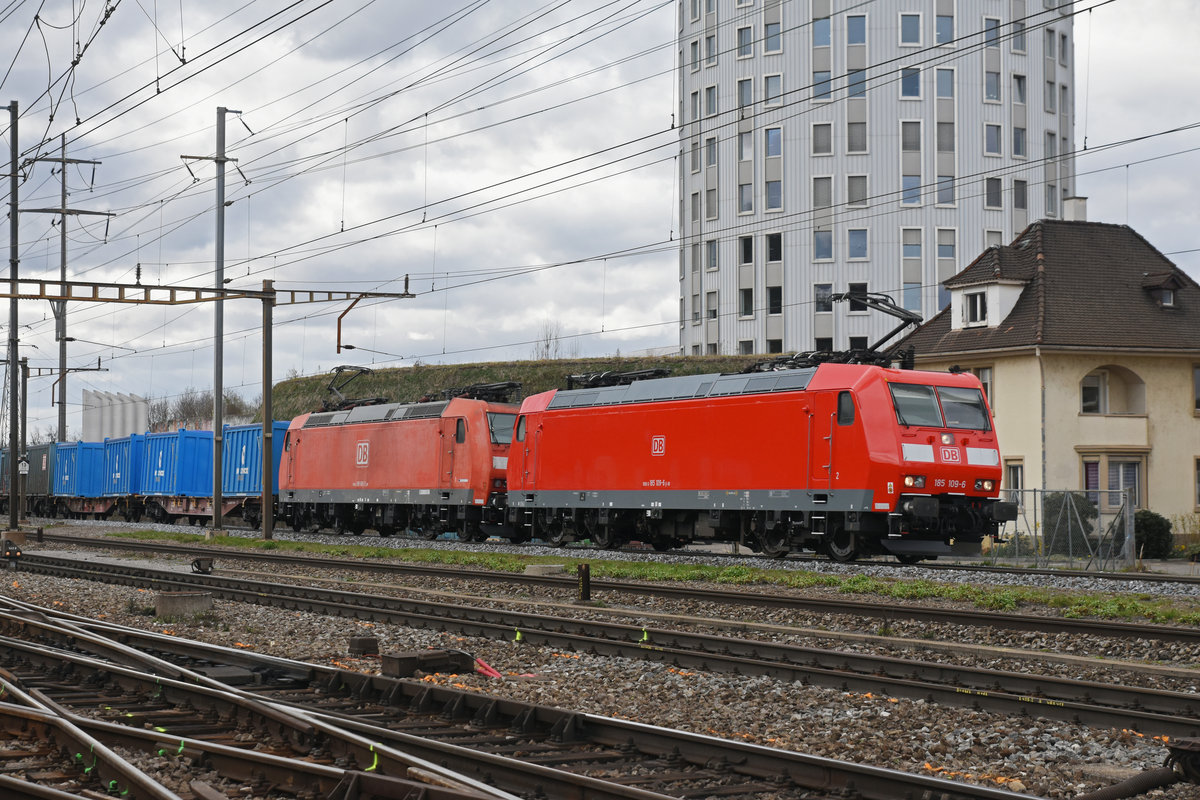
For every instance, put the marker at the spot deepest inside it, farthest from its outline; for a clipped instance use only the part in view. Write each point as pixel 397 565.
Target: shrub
pixel 1067 521
pixel 1152 535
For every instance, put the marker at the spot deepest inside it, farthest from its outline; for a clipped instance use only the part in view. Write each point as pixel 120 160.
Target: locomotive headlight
pixel 947 438
pixel 983 485
pixel 914 481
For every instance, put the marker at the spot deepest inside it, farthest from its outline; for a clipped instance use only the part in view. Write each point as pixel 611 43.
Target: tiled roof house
pixel 1088 341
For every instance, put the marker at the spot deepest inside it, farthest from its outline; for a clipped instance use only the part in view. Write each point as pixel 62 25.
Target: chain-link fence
pixel 1070 529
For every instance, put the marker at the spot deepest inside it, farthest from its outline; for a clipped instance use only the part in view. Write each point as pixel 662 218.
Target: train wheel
pixel 554 536
pixel 604 538
pixel 909 558
pixel 297 523
pixel 842 546
pixel 386 531
pixel 772 543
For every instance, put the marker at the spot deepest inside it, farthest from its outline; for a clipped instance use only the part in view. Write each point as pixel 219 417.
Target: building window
pixel 745 42
pixel 774 345
pixel 695 206
pixel 910 29
pixel 710 203
pixel 823 298
pixel 856 29
pixel 710 49
pixel 993 238
pixel 1196 389
pixel 710 253
pixel 695 308
pixel 991 32
pixel 991 139
pixel 1051 200
pixel 945 243
pixel 822 192
pixel 1062 49
pixel 773 90
pixel 745 92
pixel 774 195
pixel 710 100
pixel 944 29
pixel 1050 40
pixel 1063 105
pixel 910 137
pixel 1014 480
pixel 1019 148
pixel 1051 144
pixel 695 106
pixel 745 198
pixel 910 243
pixel 857 292
pixel 858 83
pixel 945 137
pixel 746 248
pixel 822 138
pixel 856 137
pixel 695 156
pixel 991 86
pixel 910 191
pixel 910 82
pixel 945 190
pixel 820 32
pixel 710 151
pixel 822 86
pixel 1018 89
pixel 1018 37
pixel 774 142
pixel 1093 393
pixel 1050 94
pixel 745 145
pixel 823 344
pixel 711 304
pixel 856 242
pixel 911 296
pixel 856 190
pixel 774 299
pixel 774 247
pixel 945 83
pixel 1124 479
pixel 745 347
pixel 857 343
pixel 772 42
pixel 1021 194
pixel 975 308
pixel 695 59
pixel 822 245
pixel 747 302
pixel 992 193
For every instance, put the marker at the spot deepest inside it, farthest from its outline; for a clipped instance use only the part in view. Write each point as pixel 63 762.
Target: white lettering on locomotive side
pixel 362 453
pixel 658 445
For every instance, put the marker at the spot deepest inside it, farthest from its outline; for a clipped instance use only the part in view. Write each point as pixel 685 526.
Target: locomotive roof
pixel 686 387
pixel 380 413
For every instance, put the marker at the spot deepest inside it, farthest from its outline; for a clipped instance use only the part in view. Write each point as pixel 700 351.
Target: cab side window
pixel 460 430
pixel 520 435
pixel 845 408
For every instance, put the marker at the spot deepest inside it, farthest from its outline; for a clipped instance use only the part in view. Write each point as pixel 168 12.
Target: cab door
pixel 453 435
pixel 821 424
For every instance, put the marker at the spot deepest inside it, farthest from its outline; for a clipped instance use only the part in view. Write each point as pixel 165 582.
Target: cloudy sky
pixel 514 160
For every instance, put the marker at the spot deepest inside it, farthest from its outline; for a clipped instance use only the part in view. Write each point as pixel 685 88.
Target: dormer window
pixel 975 308
pixel 1163 287
pixel 1166 297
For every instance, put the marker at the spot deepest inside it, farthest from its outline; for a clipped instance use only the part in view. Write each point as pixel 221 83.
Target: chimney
pixel 1075 209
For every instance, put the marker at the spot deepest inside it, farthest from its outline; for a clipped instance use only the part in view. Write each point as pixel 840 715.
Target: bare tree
pixel 549 341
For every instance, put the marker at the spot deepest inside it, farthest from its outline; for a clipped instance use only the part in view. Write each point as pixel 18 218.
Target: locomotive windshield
pixel 939 406
pixel 501 426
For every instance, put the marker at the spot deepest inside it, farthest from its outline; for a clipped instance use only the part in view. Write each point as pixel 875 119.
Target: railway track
pixel 886 612
pixel 196 705
pixel 1148 711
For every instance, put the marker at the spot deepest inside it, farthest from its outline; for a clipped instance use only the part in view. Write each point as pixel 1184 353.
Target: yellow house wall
pixel 1170 428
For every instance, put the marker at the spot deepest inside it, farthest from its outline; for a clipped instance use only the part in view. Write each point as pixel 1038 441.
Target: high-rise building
pixel 840 146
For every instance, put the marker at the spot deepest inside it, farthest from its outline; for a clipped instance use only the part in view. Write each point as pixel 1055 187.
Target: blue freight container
pixel 79 469
pixel 241 459
pixel 178 464
pixel 123 465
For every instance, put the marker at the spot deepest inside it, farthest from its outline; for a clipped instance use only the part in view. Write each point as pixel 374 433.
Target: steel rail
pixel 884 611
pixel 1145 710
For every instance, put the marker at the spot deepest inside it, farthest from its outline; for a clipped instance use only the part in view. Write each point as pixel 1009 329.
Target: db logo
pixel 950 455
pixel 362 451
pixel 658 445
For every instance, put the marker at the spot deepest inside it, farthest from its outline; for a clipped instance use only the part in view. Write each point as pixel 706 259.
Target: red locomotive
pixel 428 467
pixel 840 458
